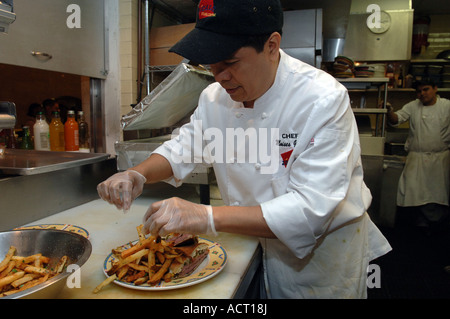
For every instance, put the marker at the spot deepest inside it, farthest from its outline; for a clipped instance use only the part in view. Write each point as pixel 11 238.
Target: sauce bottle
pixel 56 133
pixel 71 138
pixel 83 132
pixel 41 133
pixel 27 143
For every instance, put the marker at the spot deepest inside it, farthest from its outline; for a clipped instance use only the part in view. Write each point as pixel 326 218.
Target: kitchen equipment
pixel 302 35
pixel 51 243
pixel 174 98
pixel 7 15
pixel 7 115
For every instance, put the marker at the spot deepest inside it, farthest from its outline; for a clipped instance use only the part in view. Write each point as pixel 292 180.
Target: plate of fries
pixel 33 262
pixel 135 270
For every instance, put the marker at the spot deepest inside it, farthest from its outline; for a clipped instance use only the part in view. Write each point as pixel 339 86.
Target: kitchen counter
pixel 109 228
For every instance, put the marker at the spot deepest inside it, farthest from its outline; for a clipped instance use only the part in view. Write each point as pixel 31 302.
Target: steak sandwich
pixel 192 254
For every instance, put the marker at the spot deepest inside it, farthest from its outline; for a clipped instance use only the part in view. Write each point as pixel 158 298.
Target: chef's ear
pixel 274 43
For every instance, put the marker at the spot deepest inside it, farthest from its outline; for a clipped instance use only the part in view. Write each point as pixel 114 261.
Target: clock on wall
pixel 384 25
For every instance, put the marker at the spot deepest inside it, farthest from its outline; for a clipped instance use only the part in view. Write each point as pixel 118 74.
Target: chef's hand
pixel 176 215
pixel 122 188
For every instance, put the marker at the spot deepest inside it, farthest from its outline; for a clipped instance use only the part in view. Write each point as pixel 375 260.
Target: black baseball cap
pixel 223 26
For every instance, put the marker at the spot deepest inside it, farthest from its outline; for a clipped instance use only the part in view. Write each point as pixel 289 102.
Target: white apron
pixel 426 175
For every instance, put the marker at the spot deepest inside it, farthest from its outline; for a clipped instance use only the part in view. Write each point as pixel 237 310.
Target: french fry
pixel 34 282
pixel 36 270
pixel 141 281
pixel 24 279
pixel 105 282
pixel 160 257
pixel 9 267
pixel 139 246
pixel 61 264
pixel 140 233
pixel 151 259
pixel 122 272
pixel 10 278
pixel 8 257
pixel 136 276
pixel 160 273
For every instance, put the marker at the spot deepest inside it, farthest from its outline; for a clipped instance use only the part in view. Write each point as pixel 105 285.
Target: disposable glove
pixel 122 188
pixel 176 215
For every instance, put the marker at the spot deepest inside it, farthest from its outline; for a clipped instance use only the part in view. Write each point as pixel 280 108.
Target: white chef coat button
pixel 236 204
pixel 264 115
pixel 258 166
pixel 238 115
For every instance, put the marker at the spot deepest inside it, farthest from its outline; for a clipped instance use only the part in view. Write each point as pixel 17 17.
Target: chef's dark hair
pixel 258 41
pixel 424 81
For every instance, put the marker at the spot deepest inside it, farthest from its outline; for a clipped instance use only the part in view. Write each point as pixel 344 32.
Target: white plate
pixel 210 267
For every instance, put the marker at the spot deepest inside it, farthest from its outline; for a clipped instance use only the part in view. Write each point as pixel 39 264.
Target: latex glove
pixel 122 189
pixel 176 215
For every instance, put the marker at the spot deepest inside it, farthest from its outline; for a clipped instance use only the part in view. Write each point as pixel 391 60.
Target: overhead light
pixel 7 16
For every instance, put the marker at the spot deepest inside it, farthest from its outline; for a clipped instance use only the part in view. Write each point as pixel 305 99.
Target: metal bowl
pixel 51 243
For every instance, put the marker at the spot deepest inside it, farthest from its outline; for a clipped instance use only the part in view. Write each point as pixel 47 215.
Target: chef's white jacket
pixel 426 176
pixel 309 189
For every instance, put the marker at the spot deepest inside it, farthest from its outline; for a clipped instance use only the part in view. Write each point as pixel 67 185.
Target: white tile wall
pixel 128 10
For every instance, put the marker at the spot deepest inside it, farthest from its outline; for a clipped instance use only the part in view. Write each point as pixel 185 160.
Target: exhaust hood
pixel 390 42
pixel 7 16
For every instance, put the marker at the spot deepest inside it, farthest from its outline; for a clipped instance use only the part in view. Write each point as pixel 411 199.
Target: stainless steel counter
pixel 40 184
pixel 30 162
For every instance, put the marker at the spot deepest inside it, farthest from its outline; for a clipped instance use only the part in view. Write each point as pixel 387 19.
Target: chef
pixel 425 180
pixel 283 143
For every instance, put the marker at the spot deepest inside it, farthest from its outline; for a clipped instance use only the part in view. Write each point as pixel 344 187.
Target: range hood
pixel 391 42
pixel 7 16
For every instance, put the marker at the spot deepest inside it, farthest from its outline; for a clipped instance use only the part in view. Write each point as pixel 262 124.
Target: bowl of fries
pixel 35 263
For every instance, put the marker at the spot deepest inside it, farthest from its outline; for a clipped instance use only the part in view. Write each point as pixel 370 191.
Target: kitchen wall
pixel 25 86
pixel 128 10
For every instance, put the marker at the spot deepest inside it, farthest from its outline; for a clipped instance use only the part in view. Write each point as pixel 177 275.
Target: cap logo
pixel 206 9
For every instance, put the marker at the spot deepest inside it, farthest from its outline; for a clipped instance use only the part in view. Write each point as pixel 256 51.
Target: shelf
pixel 431 61
pixel 369 111
pixel 363 80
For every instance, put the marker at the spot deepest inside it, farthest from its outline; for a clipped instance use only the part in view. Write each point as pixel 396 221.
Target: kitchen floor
pixel 414 269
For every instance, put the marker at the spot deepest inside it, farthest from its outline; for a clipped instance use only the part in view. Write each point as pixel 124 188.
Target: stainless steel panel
pixel 28 162
pixel 332 48
pixel 174 98
pixel 24 199
pixel 392 169
pixel 306 55
pixel 41 26
pixel 373 172
pixel 395 44
pixel 299 29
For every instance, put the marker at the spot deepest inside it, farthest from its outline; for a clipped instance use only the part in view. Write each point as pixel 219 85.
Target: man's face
pixel 247 75
pixel 427 94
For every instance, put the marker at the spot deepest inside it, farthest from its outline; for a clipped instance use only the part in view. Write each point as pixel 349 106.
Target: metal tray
pixel 30 162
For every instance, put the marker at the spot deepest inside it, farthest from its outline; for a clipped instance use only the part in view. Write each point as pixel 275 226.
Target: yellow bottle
pixel 57 134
